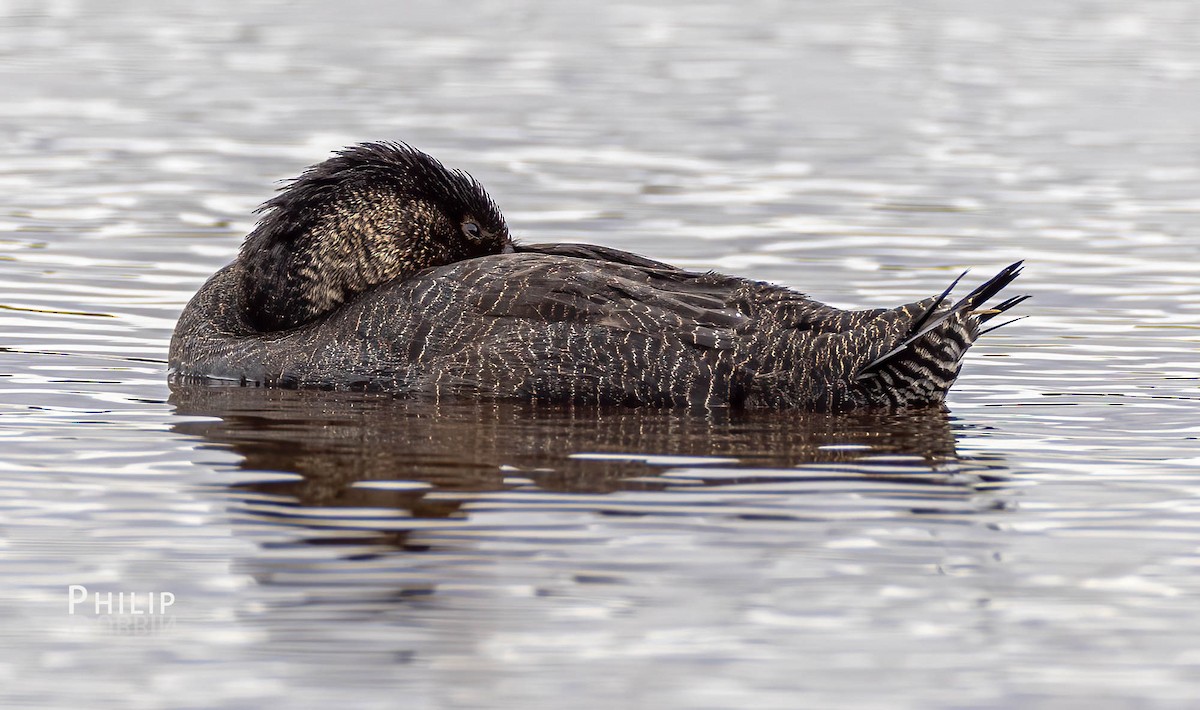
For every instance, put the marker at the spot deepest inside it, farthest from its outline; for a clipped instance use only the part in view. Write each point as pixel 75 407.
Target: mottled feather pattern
pixel 541 325
pixel 381 269
pixel 370 214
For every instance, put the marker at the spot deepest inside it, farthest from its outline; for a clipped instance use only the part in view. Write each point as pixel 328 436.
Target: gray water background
pixel 1038 546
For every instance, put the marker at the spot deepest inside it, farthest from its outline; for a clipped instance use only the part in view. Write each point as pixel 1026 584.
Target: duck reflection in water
pixel 458 453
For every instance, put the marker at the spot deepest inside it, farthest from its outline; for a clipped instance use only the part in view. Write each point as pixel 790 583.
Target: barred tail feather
pixel 926 361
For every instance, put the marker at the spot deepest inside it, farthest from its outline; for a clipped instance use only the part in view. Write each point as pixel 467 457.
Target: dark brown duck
pixel 380 269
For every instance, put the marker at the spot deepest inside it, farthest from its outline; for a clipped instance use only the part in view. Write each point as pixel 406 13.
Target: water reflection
pixel 439 460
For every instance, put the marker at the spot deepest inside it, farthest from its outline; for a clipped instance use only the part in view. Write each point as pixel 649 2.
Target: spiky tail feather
pixel 925 362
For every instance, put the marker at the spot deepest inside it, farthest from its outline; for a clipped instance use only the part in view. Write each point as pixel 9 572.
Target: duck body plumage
pixel 380 269
pixel 585 324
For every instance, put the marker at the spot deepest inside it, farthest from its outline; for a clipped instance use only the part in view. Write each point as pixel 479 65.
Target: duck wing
pixel 770 305
pixel 595 253
pixel 622 293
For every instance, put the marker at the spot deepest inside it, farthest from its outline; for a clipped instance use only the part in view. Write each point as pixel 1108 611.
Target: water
pixel 1037 546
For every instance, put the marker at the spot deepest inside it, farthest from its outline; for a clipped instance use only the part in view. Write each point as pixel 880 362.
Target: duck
pixel 382 270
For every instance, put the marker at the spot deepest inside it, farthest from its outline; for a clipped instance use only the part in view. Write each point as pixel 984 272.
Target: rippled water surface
pixel 1037 545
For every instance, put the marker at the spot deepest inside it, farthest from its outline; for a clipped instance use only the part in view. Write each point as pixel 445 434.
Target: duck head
pixel 370 214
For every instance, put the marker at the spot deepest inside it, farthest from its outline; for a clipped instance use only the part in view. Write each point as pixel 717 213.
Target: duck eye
pixel 472 231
